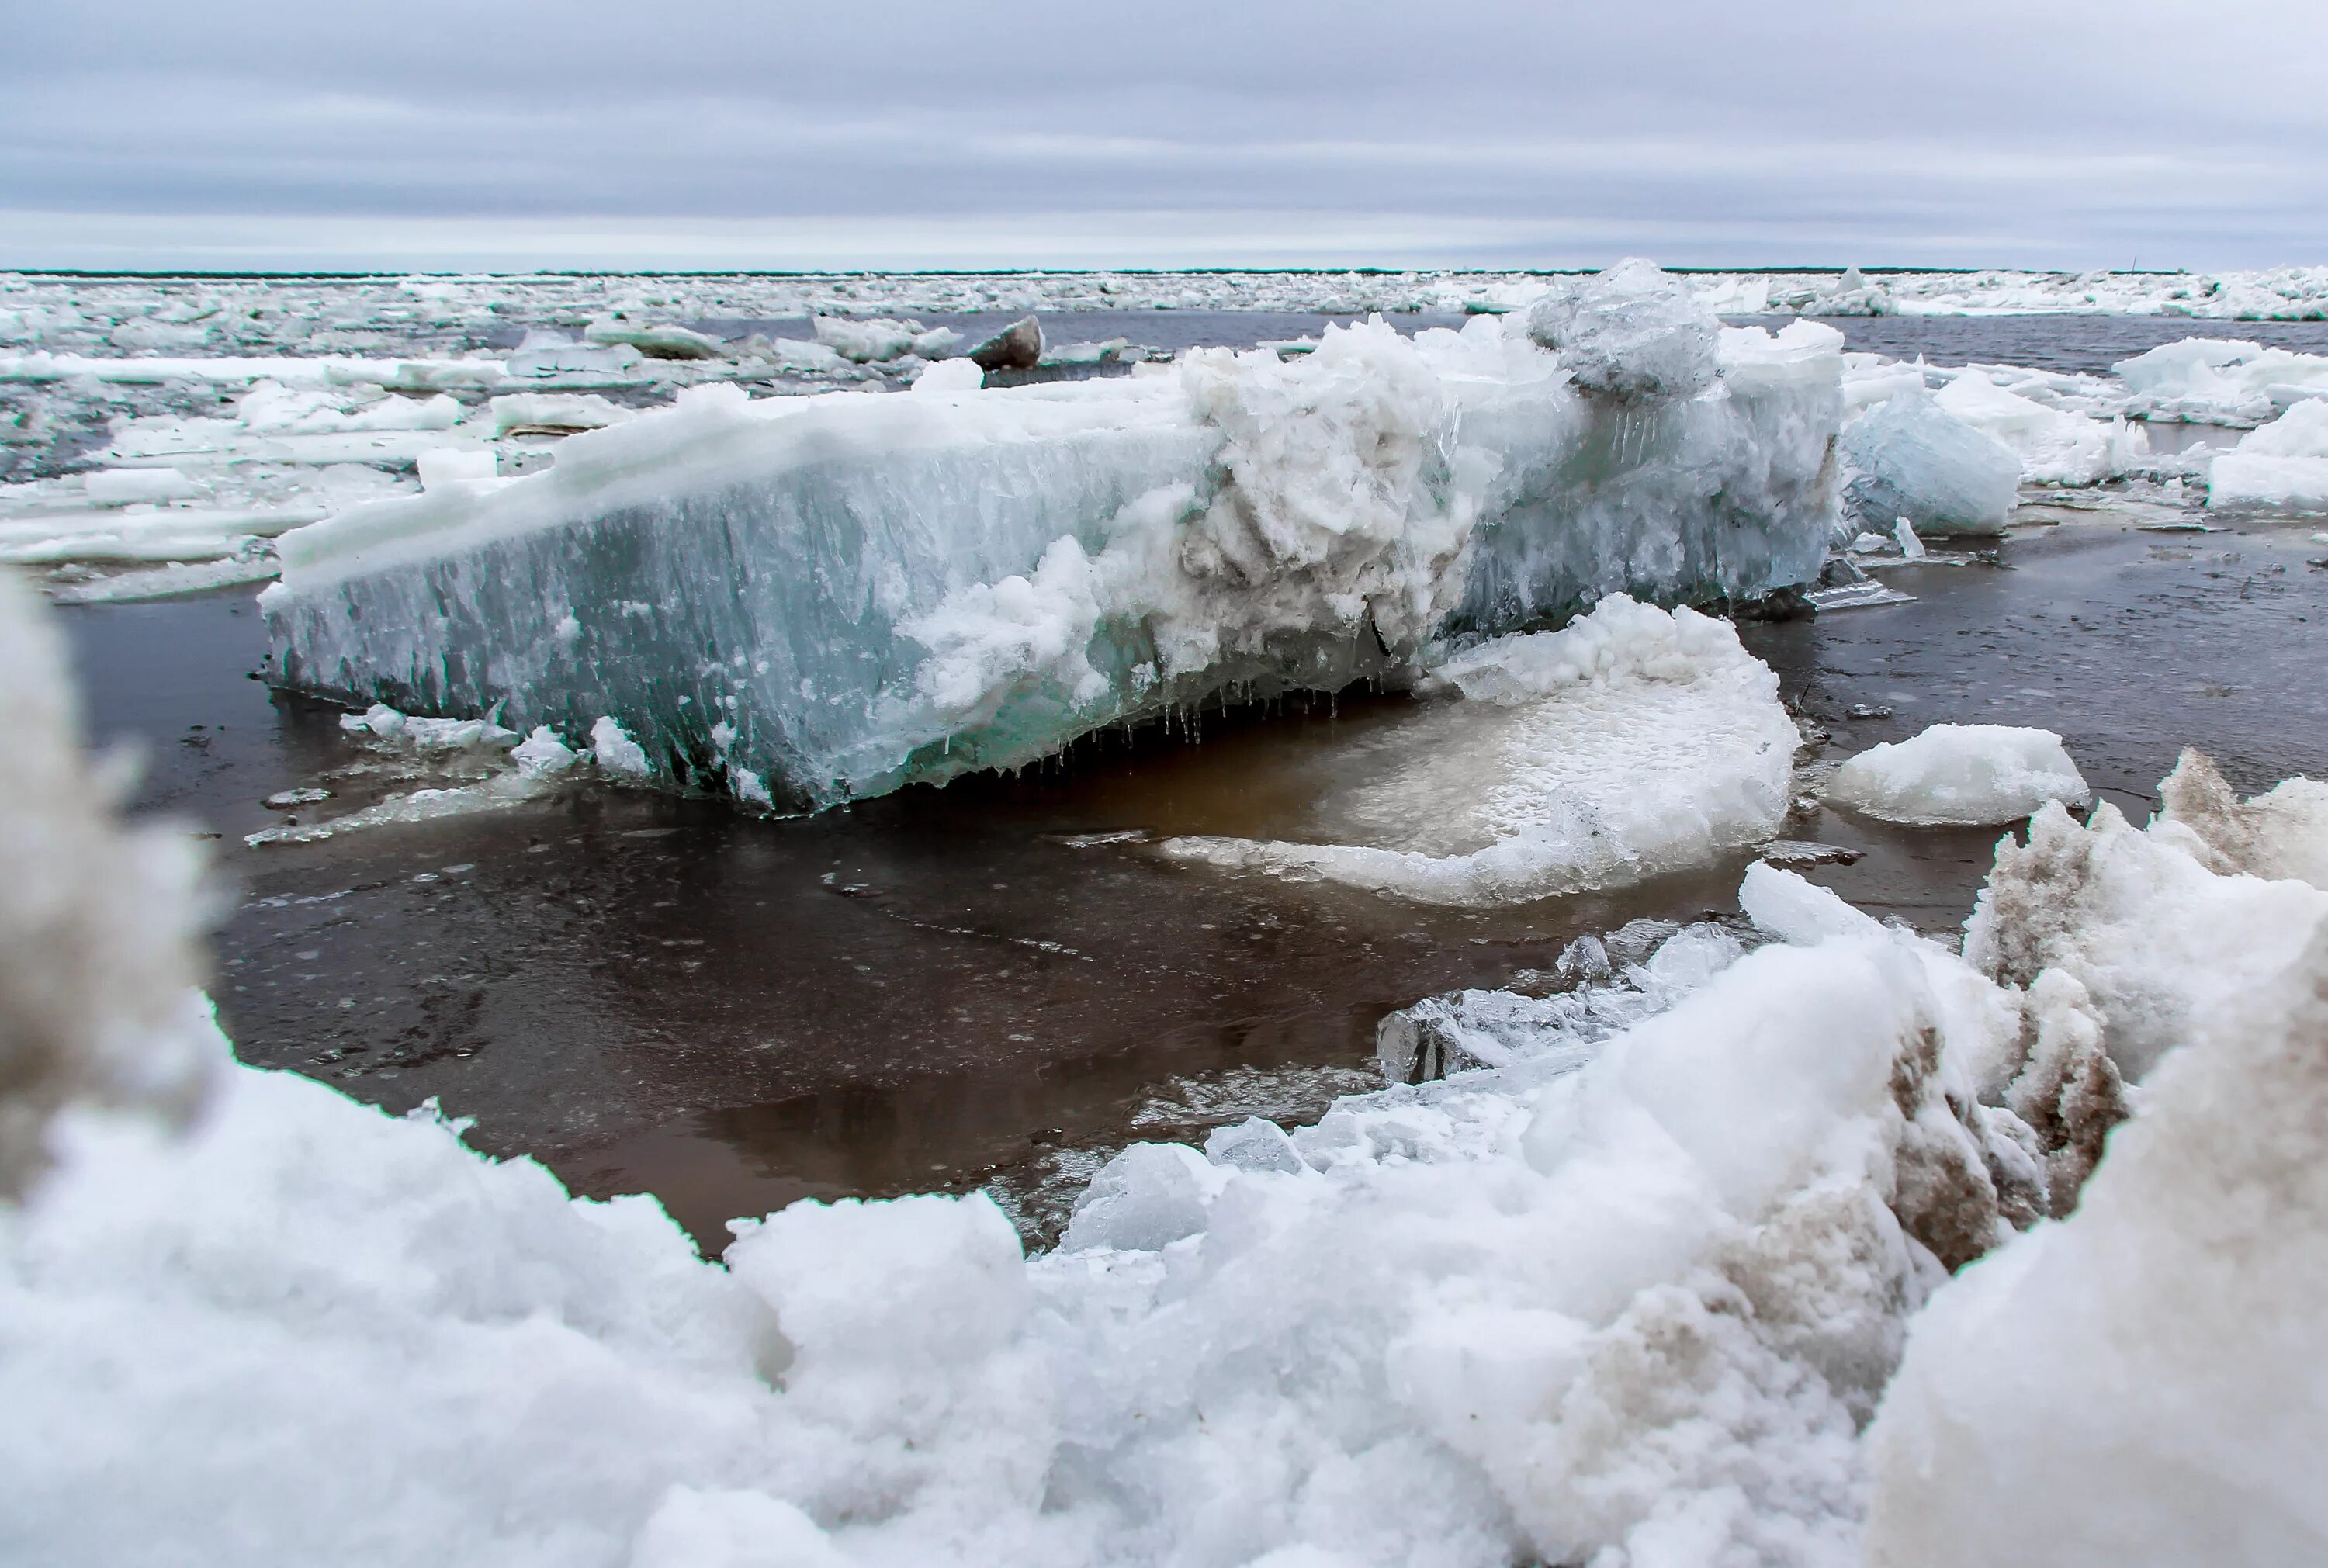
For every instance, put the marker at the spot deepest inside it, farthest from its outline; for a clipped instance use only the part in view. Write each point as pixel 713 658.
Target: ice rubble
pixel 911 588
pixel 1968 775
pixel 1635 1304
pixel 1633 742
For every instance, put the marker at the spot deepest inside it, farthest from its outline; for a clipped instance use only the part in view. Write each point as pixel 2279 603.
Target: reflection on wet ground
pixel 956 987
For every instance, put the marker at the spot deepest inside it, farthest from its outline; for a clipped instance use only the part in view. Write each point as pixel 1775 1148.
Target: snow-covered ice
pixel 866 591
pixel 1971 775
pixel 1631 744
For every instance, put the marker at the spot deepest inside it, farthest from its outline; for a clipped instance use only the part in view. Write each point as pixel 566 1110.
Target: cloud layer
pixel 1036 132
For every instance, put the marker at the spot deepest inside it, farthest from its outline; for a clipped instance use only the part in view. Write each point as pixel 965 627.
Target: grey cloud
pixel 2072 134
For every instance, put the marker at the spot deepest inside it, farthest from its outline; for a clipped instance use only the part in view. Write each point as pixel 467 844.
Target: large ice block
pixel 838 595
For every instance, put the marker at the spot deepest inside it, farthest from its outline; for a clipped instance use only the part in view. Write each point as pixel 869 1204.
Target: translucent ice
pixel 1973 775
pixel 872 590
pixel 1634 333
pixel 1909 458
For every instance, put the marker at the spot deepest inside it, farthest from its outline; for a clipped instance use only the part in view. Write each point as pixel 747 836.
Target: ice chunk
pixel 867 341
pixel 2055 447
pixel 1911 458
pixel 658 341
pixel 1253 1144
pixel 1633 333
pixel 123 487
pixel 447 468
pixel 1633 744
pixel 950 376
pixel 1974 774
pixel 614 750
pixel 871 591
pixel 2209 379
pixel 542 753
pixel 1017 347
pixel 553 413
pixel 2281 464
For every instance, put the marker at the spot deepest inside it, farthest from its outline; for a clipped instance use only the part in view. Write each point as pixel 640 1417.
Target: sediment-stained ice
pixel 1968 775
pixel 839 594
pixel 1632 743
pixel 2141 1383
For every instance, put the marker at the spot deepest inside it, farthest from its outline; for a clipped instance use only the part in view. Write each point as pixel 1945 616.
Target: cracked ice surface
pixel 841 594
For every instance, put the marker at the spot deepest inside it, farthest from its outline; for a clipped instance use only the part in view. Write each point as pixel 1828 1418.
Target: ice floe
pixel 1634 742
pixel 869 591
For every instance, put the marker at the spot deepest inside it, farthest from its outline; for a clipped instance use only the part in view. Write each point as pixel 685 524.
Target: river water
pixel 959 987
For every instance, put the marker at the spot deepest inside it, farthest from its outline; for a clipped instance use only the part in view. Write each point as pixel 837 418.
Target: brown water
pixel 944 989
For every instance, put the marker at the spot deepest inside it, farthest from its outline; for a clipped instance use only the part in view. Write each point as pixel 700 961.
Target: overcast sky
pixel 948 133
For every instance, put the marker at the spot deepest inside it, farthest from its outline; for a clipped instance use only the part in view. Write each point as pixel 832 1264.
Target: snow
pixel 97 925
pixel 1911 458
pixel 1632 743
pixel 2283 465
pixel 1969 774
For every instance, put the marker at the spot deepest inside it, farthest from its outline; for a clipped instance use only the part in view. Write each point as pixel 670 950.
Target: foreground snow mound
pixel 1911 458
pixel 1966 774
pixel 838 594
pixel 1645 1304
pixel 1634 742
pixel 2144 1383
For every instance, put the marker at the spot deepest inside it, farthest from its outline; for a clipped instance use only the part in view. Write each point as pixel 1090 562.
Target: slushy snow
pixel 1633 742
pixel 1966 775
